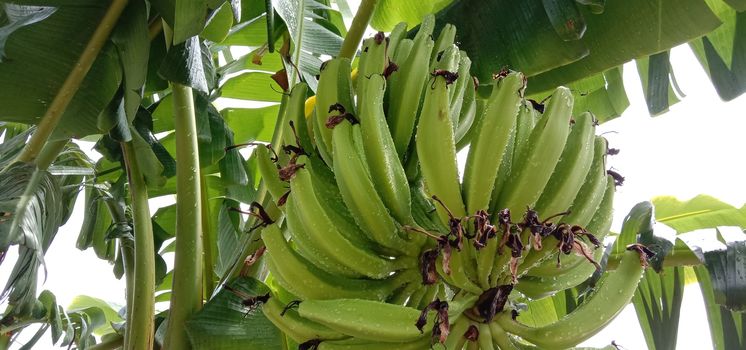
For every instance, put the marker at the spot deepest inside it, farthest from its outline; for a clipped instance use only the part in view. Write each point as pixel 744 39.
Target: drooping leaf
pixel 225 324
pixel 726 326
pixel 218 24
pixel 31 203
pixel 39 58
pixel 251 124
pixel 657 82
pixel 697 213
pixel 727 270
pixel 133 45
pixel 184 65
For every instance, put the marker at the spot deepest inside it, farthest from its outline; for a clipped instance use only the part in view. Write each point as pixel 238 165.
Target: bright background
pixel 694 148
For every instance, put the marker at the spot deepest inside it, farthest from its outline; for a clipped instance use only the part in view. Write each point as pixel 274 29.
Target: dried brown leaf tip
pixel 334 120
pixel 251 260
pixel 428 259
pixel 483 229
pixel 450 77
pixel 645 253
pixel 571 240
pixel 379 38
pixel 472 333
pixel 441 327
pixel 390 69
pixel 455 226
pixel 618 178
pixel 493 301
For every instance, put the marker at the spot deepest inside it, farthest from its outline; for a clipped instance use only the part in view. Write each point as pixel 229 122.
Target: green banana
pixel 456 338
pixel 396 36
pixel 292 324
pixel 373 320
pixel 325 236
pixel 386 170
pixel 407 86
pixel 304 279
pixel 458 276
pixel 468 110
pixel 585 203
pixel 612 293
pixel 592 192
pixel 462 84
pixel 571 171
pixel 547 141
pixel 359 193
pixel 268 170
pixel 307 247
pixel 436 148
pixel 446 38
pixel 488 147
pixel 424 342
pixel 335 87
pixel 485 336
pixel 599 226
pixel 373 61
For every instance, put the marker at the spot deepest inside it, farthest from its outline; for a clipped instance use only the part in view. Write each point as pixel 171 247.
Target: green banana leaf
pixel 700 212
pixel 722 52
pixel 658 82
pixel 726 326
pixel 38 57
pixel 225 324
pixel 389 13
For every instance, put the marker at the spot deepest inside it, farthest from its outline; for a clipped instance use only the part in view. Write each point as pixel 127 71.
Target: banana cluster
pixel 383 244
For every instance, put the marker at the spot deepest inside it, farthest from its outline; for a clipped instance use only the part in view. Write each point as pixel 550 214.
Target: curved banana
pixel 304 279
pixel 407 86
pixel 488 147
pixel 571 171
pixel 612 293
pixel 373 61
pixel 424 342
pixel 436 148
pixel 324 234
pixel 359 192
pixel 386 169
pixel 335 87
pixel 396 36
pixel 298 328
pixel 547 141
pixel 592 192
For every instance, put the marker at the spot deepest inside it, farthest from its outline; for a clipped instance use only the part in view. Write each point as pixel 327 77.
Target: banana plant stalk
pixel 357 28
pixel 186 291
pixel 140 324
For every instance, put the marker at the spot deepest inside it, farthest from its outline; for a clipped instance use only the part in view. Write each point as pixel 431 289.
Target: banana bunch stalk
pixel 382 242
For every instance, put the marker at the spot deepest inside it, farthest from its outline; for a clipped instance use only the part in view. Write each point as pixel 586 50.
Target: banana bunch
pixel 382 242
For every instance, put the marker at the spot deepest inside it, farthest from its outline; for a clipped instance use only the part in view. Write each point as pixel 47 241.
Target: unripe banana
pixel 386 169
pixel 424 342
pixel 335 86
pixel 592 192
pixel 468 110
pixel 298 328
pixel 436 148
pixel 407 86
pixel 445 40
pixel 325 236
pixel 360 195
pixel 547 141
pixel 599 226
pixel 305 280
pixel 373 320
pixel 612 293
pixel 396 36
pixel 571 171
pixel 373 61
pixel 488 147
pixel 267 169
pixel 485 336
pixel 458 91
pixel 456 338
pixel 458 275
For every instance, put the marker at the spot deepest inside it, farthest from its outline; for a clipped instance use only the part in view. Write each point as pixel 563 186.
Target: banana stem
pixel 128 255
pixel 109 344
pixel 186 297
pixel 140 325
pixel 357 28
pixel 72 83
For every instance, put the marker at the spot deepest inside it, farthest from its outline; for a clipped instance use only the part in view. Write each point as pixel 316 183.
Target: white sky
pixel 690 150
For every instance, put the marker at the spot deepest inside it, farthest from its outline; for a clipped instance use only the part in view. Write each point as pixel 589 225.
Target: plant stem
pixel 208 240
pixel 357 28
pixel 186 294
pixel 128 254
pixel 72 83
pixel 140 325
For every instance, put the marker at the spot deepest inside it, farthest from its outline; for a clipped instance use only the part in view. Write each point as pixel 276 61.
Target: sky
pixel 688 151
